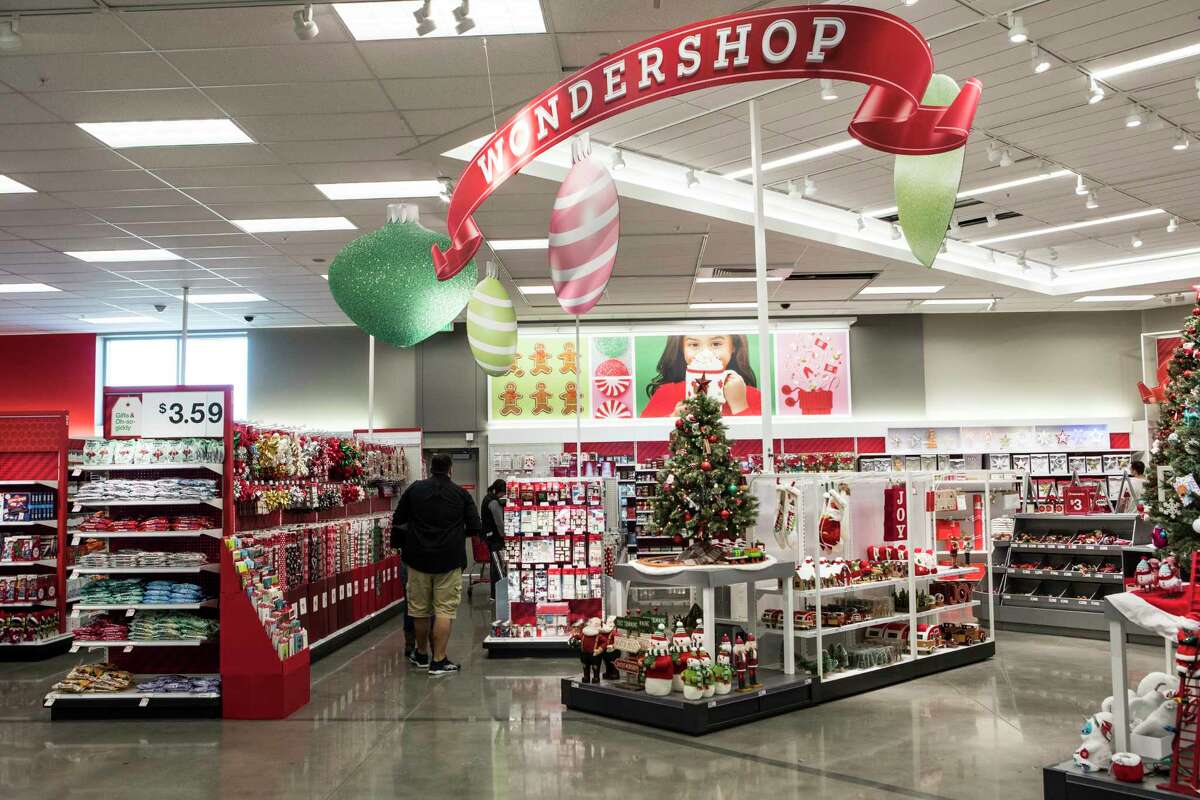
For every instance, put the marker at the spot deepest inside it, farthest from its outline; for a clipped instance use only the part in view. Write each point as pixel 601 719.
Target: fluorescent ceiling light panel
pixel 114 320
pixel 518 244
pixel 109 256
pixel 737 279
pixel 379 190
pixel 229 297
pixel 9 186
pixel 20 288
pixel 992 187
pixel 167 133
pixel 538 289
pixel 294 224
pixel 1114 298
pixel 796 158
pixel 973 301
pixel 901 290
pixel 1147 62
pixel 1119 262
pixel 1072 226
pixel 702 306
pixel 394 20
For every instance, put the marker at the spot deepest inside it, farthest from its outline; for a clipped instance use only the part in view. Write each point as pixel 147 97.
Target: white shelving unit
pixel 211 467
pixel 215 502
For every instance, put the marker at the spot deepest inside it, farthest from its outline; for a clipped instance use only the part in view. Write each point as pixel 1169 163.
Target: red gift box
pixel 817 401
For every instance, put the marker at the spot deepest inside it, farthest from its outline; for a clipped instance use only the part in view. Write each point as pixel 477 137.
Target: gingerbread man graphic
pixel 514 368
pixel 569 358
pixel 541 399
pixel 570 399
pixel 509 398
pixel 539 359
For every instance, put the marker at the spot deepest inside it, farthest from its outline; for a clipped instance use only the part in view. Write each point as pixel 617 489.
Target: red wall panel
pixel 51 371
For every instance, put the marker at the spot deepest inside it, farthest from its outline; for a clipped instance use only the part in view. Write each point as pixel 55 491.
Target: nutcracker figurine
pixel 752 662
pixel 739 663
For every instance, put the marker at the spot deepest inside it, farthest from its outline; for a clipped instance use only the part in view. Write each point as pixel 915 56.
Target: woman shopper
pixel 491 513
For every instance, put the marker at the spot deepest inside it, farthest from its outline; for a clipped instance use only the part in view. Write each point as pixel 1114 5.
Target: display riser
pixel 516 647
pixel 131 708
pixel 1065 782
pixel 779 694
pixel 1059 622
pixel 870 680
pixel 339 639
pixel 36 652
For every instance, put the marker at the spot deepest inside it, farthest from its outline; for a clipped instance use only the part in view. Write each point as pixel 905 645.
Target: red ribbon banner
pixel 838 42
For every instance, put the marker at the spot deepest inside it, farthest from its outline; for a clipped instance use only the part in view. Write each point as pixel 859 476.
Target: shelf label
pixel 177 414
pixel 145 701
pixel 303 606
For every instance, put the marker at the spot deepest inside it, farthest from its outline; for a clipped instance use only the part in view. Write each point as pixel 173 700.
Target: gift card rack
pixel 33 490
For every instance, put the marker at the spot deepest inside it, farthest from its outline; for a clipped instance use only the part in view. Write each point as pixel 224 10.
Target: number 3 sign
pixel 176 414
pixel 1077 500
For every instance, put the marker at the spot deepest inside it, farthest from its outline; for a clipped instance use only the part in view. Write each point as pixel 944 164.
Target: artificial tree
pixel 702 494
pixel 1176 446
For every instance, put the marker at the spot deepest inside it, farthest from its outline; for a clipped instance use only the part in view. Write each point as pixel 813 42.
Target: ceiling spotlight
pixel 1092 202
pixel 1155 123
pixel 306 27
pixel 447 189
pixel 862 222
pixel 463 15
pixel 827 90
pixel 425 23
pixel 1135 241
pixel 1006 159
pixel 690 178
pixel 1016 29
pixel 1052 253
pixel 618 160
pixel 992 221
pixel 1173 225
pixel 794 190
pixel 993 152
pixel 896 234
pixel 1081 187
pixel 910 2
pixel 1134 118
pixel 810 186
pixel 1038 59
pixel 1095 92
pixel 10 34
pixel 1181 142
pixel 1022 262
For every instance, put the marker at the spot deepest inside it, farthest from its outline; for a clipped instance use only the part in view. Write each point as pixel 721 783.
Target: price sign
pixel 1077 500
pixel 175 414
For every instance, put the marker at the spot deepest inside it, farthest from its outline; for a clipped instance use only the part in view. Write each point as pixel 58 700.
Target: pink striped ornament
pixel 584 229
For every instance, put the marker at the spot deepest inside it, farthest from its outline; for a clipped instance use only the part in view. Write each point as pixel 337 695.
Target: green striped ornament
pixel 492 327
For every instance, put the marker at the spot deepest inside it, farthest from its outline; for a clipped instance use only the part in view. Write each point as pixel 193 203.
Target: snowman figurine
pixel 1145 577
pixel 1168 577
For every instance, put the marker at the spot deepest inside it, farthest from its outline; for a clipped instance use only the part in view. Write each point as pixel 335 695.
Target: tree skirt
pixel 1155 612
pixel 675 567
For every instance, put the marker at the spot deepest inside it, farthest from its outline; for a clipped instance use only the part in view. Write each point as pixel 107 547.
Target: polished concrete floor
pixel 375 729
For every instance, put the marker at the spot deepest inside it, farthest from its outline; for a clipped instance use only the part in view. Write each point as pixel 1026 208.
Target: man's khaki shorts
pixel 432 595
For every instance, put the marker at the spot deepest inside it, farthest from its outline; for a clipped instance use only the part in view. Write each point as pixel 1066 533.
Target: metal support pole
pixel 760 276
pixel 181 378
pixel 578 396
pixel 789 631
pixel 371 384
pixel 1120 704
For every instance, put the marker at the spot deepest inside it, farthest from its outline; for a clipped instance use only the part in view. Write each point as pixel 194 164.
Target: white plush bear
pixel 1158 682
pixel 1096 751
pixel 1160 722
pixel 1107 705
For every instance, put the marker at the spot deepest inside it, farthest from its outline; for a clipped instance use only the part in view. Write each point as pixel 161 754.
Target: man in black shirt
pixel 438 515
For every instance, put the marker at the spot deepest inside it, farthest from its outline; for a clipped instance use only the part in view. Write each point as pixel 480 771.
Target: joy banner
pixel 828 41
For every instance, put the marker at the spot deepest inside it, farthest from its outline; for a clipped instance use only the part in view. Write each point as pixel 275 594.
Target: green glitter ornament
pixel 385 282
pixel 612 346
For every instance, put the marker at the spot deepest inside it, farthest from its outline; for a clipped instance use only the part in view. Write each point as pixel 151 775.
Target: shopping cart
pixel 483 560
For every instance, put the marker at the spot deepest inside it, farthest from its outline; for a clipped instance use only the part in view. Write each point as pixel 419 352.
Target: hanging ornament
pixel 385 281
pixel 677 539
pixel 706 465
pixel 712 439
pixel 585 228
pixel 732 488
pixel 679 423
pixel 725 513
pixel 1158 536
pixel 1196 524
pixel 492 326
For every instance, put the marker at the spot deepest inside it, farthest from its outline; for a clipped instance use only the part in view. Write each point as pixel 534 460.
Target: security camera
pixel 306 28
pixel 249 318
pixel 785 306
pixel 160 307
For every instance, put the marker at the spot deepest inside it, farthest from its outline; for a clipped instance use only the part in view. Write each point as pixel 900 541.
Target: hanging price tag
pixel 176 414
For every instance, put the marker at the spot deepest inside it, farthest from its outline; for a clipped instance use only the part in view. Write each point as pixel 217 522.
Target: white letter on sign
pixel 614 85
pixel 724 46
pixel 492 163
pixel 821 39
pixel 578 107
pixel 651 65
pixel 545 117
pixel 779 56
pixel 689 56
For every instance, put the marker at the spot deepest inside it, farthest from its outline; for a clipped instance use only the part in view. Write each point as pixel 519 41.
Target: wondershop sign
pixel 838 42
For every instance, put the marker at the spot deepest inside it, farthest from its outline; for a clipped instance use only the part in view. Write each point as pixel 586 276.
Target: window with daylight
pixel 154 361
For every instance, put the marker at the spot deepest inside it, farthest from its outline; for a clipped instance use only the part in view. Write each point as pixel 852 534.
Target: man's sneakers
pixel 418 659
pixel 443 667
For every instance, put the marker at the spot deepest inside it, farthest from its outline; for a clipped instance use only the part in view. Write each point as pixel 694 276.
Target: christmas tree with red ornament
pixel 702 495
pixel 1176 445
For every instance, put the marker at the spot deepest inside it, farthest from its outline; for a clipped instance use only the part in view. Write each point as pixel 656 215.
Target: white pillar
pixel 371 384
pixel 760 274
pixel 578 398
pixel 181 375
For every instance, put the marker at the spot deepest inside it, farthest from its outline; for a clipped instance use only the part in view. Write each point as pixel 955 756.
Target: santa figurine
pixel 723 670
pixel 739 663
pixel 1145 577
pixel 591 645
pixel 752 662
pixel 1186 648
pixel 610 652
pixel 1168 577
pixel 830 525
pixel 658 666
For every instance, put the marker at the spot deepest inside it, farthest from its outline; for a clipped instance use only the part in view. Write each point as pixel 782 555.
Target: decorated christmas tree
pixel 1176 445
pixel 702 494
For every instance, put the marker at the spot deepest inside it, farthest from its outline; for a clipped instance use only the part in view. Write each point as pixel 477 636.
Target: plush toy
pixel 1186 646
pixel 693 680
pixel 1157 682
pixel 681 645
pixel 830 525
pixel 1158 723
pixel 1168 577
pixel 1095 753
pixel 723 670
pixel 1146 577
pixel 659 668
